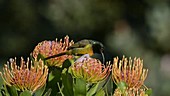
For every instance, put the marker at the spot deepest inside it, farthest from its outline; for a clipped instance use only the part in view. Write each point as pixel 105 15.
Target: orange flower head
pixel 90 69
pixel 50 48
pixel 26 76
pixel 128 71
pixel 130 92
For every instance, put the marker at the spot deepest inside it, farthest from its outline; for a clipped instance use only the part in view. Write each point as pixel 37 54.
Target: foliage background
pixel 126 27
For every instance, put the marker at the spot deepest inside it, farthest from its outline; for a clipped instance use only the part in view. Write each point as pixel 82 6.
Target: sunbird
pixel 83 47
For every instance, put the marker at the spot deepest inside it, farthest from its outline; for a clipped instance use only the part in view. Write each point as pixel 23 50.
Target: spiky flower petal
pixel 129 71
pixel 50 48
pixel 90 69
pixel 28 76
pixel 130 92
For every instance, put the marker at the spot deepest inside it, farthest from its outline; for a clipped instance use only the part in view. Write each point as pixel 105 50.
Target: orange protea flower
pixel 130 92
pixel 90 69
pixel 26 76
pixel 49 48
pixel 128 71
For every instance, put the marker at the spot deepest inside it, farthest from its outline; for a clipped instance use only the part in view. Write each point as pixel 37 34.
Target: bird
pixel 82 47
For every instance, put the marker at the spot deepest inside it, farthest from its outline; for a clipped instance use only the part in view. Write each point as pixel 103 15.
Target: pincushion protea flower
pixel 128 71
pixel 90 69
pixel 26 76
pixel 49 48
pixel 130 92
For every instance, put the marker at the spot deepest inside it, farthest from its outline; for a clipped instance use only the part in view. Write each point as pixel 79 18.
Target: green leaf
pixel 66 64
pixel 53 78
pixel 4 90
pixel 50 76
pixel 149 92
pixel 40 56
pixel 40 91
pixel 1 82
pixel 31 57
pixel 48 92
pixel 12 90
pixel 4 93
pixel 25 93
pixel 67 81
pixel 100 93
pixel 109 87
pixel 122 85
pixel 54 74
pixel 80 87
pixel 1 86
pixel 93 89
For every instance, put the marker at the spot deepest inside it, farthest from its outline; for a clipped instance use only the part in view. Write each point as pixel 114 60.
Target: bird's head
pixel 97 46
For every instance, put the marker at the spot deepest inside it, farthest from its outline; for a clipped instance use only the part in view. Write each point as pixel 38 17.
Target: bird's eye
pixel 102 49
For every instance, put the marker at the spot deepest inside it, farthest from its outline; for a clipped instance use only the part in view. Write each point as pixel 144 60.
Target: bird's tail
pixel 57 55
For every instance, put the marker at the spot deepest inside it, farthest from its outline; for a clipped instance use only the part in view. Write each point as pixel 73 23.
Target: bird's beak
pixel 102 53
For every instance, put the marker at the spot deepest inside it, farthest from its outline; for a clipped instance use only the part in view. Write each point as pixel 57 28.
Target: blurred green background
pixel 136 28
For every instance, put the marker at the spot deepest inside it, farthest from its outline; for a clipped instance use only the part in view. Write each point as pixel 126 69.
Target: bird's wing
pixel 79 44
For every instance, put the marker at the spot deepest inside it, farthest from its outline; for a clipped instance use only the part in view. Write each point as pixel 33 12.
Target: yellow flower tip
pixel 26 76
pixel 50 48
pixel 129 71
pixel 90 69
pixel 117 92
